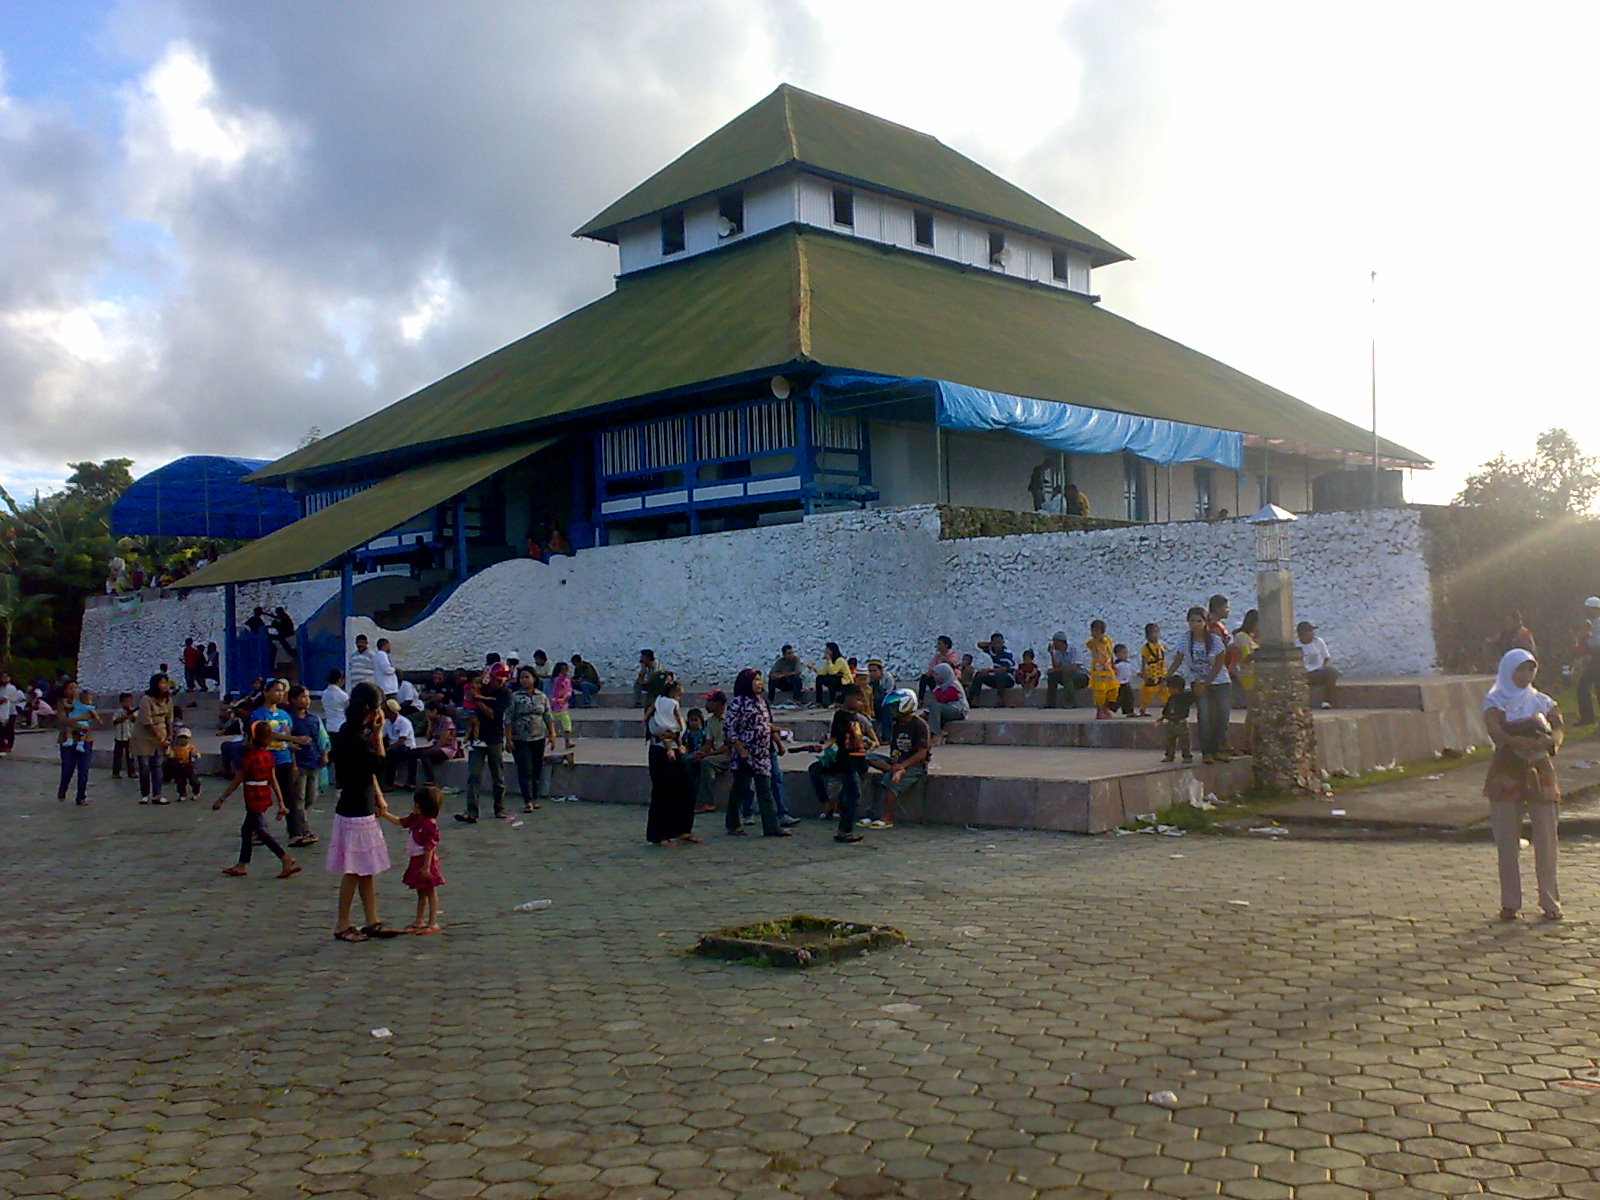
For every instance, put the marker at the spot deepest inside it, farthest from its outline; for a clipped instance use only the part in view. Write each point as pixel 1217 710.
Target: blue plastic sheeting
pixel 1068 428
pixel 202 496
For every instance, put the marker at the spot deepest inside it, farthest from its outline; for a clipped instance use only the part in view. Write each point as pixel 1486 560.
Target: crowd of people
pixel 380 730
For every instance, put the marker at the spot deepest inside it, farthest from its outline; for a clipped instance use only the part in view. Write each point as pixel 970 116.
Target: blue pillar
pixel 461 538
pixel 230 634
pixel 347 609
pixel 805 446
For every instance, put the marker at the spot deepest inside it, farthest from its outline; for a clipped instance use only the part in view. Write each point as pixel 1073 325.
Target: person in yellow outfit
pixel 1102 669
pixel 833 676
pixel 1153 666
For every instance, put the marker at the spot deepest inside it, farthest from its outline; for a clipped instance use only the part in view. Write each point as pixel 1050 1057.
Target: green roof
pixel 796 128
pixel 313 542
pixel 908 315
pixel 794 297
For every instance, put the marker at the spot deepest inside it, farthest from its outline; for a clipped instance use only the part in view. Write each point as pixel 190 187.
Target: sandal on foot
pixel 432 929
pixel 1508 914
pixel 349 934
pixel 415 928
pixel 1556 915
pixel 379 930
pixel 689 839
pixel 290 869
pixel 234 871
pixel 848 837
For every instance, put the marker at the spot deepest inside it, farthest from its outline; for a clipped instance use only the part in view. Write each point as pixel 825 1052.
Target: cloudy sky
pixel 223 224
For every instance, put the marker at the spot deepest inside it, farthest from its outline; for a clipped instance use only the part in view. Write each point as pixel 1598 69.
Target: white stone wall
pixel 882 583
pixel 117 655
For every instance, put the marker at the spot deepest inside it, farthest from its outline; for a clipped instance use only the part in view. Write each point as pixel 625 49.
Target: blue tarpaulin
pixel 1068 428
pixel 202 496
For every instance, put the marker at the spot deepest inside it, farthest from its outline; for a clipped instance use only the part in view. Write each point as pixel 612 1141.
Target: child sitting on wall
pixel 1027 672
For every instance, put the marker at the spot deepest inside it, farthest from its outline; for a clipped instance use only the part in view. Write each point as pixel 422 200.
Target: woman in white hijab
pixel 1525 727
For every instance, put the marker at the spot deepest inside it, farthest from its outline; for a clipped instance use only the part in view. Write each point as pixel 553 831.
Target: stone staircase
pixel 1019 766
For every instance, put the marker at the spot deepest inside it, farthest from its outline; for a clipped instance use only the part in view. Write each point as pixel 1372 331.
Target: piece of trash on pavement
pixel 971 930
pixel 532 906
pixel 1587 764
pixel 1338 812
pixel 1174 856
pixel 516 824
pixel 381 1032
pixel 1167 1099
pixel 1240 903
pixel 1432 777
pixel 1523 843
pixel 1271 830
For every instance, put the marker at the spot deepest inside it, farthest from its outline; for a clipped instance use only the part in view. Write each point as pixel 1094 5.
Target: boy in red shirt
pixel 258 773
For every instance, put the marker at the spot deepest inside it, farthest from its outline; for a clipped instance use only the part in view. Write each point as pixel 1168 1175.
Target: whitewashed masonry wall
pixel 881 583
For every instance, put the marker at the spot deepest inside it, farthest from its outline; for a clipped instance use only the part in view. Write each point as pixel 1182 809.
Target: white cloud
pixel 181 135
pixel 352 199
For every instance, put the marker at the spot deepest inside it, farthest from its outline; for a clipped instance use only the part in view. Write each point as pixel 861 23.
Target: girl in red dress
pixel 422 845
pixel 258 775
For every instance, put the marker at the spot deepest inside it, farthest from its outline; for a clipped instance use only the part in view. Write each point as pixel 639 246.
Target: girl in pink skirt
pixel 356 850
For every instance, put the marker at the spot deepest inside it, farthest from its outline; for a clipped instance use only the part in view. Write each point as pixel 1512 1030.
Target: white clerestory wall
pixel 882 583
pixel 797 197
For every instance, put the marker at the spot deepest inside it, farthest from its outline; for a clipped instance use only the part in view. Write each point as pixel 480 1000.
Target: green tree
pixel 54 550
pixel 1558 481
pixel 101 482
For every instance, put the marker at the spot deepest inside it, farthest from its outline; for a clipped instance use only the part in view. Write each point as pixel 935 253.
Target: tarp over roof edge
pixel 313 542
pixel 1067 428
pixel 201 495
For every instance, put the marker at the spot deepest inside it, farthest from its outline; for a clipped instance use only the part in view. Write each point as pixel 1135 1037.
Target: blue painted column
pixel 805 447
pixel 461 538
pixel 347 609
pixel 230 633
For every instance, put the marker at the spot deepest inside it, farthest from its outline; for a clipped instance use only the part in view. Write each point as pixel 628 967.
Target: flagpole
pixel 1373 370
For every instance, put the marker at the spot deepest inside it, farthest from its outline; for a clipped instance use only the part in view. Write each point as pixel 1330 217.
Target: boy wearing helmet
pixel 909 752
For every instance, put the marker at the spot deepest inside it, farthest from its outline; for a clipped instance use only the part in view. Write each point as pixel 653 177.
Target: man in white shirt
pixel 410 702
pixel 384 674
pixel 1321 675
pixel 10 697
pixel 335 702
pixel 399 746
pixel 363 665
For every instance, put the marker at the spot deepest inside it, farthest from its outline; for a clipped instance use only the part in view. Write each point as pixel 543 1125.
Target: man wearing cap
pixel 785 677
pixel 1589 677
pixel 1065 673
pixel 710 762
pixel 489 705
pixel 399 745
pixel 1321 675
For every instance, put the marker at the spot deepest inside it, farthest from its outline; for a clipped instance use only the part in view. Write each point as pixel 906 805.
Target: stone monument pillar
pixel 1284 750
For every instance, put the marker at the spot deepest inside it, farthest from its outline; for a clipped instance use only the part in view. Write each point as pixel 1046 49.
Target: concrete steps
pixel 1026 767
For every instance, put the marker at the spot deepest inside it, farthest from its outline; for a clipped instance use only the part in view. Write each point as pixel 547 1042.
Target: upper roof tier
pixel 795 128
pixel 797 299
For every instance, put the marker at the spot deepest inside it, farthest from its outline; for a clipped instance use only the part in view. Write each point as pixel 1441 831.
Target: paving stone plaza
pixel 1332 1020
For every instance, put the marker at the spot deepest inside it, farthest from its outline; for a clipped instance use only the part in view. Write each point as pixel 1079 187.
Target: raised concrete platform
pixel 1021 767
